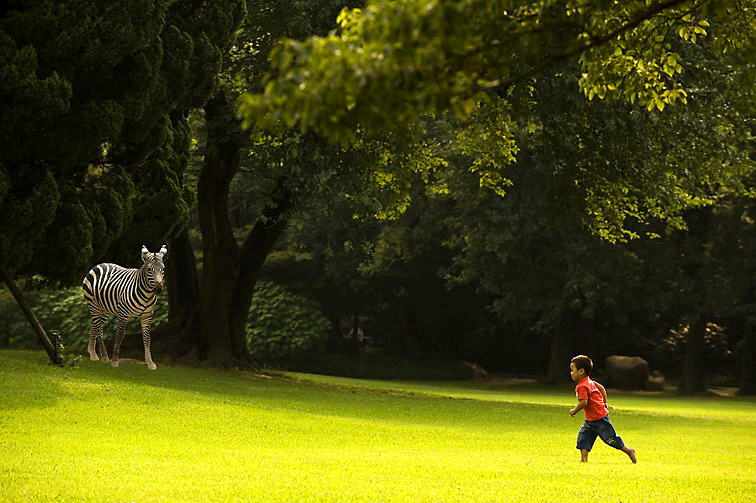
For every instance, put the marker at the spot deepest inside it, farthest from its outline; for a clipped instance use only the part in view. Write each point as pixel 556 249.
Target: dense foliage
pixel 63 311
pixel 93 125
pixel 496 164
pixel 282 324
pixel 392 62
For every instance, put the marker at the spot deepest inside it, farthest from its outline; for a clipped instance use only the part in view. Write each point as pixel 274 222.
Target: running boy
pixel 592 398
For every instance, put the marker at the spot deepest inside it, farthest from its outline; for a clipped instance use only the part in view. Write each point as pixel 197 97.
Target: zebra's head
pixel 154 267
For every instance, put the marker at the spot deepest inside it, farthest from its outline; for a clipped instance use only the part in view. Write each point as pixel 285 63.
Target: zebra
pixel 110 289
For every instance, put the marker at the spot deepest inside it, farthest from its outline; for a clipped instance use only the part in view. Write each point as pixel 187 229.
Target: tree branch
pixel 593 42
pixel 33 321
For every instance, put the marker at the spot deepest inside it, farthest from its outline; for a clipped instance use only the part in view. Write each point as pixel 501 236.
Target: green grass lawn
pixel 179 434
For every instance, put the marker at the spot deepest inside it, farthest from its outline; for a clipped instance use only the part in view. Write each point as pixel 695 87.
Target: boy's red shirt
pixel 586 389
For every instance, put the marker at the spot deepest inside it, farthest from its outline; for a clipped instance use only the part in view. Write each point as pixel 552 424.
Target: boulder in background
pixel 627 372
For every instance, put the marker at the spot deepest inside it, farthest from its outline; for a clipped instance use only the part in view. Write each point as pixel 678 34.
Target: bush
pixel 15 331
pixel 669 352
pixel 379 366
pixel 65 311
pixel 282 324
pixel 65 357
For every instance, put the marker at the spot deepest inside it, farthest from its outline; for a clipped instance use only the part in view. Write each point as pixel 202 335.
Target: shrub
pixel 380 366
pixel 65 357
pixel 282 324
pixel 64 311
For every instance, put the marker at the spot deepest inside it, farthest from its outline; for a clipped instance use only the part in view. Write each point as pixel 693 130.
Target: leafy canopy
pixel 395 60
pixel 93 127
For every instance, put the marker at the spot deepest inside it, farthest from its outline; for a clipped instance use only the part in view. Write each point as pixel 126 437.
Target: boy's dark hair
pixel 583 362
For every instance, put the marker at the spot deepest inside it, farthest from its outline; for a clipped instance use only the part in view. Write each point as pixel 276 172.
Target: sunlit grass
pixel 180 434
pixel 529 391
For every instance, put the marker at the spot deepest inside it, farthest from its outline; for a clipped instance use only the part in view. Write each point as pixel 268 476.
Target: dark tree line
pixel 521 179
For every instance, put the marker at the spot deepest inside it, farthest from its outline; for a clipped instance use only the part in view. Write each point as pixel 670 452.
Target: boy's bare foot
pixel 631 454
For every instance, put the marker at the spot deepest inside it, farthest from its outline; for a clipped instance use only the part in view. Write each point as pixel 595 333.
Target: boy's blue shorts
pixel 600 428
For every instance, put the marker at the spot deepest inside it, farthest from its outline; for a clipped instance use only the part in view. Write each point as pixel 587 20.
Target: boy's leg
pixel 610 437
pixel 586 438
pixel 630 453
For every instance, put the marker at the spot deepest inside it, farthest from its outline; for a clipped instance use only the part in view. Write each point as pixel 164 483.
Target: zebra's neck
pixel 142 281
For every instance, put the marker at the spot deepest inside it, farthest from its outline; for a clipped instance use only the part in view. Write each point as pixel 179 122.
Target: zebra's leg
pixel 103 350
pixel 146 322
pixel 120 333
pixel 95 334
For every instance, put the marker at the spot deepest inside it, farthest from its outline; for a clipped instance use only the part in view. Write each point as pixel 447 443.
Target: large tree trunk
pixel 332 311
pixel 747 351
pixel 693 365
pixel 559 353
pixel 215 340
pixel 573 334
pixel 255 249
pixel 211 325
pixel 178 336
pixel 33 321
pixel 747 357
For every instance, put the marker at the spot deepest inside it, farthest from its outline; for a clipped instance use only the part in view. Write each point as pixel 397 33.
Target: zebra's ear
pixel 145 253
pixel 163 251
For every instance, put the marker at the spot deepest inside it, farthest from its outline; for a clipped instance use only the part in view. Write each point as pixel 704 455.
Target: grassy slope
pixel 179 434
pixel 527 391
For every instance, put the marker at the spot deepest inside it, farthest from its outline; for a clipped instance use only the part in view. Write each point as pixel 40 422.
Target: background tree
pixel 491 170
pixel 536 249
pixel 635 53
pixel 94 126
pixel 734 251
pixel 383 278
pixel 283 169
pixel 394 61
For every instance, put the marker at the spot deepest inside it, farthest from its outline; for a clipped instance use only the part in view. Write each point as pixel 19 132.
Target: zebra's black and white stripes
pixel 112 290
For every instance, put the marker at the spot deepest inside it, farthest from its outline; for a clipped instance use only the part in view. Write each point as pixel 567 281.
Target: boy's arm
pixel 580 406
pixel 603 392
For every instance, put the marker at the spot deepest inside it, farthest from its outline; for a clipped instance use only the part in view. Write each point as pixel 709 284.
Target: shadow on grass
pixel 251 391
pixel 28 380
